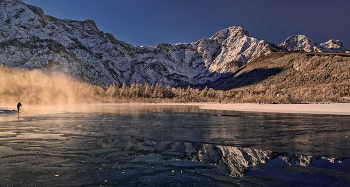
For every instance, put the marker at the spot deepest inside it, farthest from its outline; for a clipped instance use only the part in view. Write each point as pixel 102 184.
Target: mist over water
pixel 38 88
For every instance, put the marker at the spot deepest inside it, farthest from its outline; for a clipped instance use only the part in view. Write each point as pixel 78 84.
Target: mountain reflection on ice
pixel 156 145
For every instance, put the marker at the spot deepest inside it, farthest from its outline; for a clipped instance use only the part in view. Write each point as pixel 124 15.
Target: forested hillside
pixel 276 77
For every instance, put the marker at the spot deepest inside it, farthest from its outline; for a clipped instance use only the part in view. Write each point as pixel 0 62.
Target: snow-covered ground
pixel 309 108
pixel 328 108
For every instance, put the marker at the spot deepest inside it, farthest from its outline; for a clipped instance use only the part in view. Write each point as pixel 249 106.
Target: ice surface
pixel 132 144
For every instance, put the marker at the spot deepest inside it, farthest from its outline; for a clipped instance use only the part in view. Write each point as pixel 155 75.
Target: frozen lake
pixel 169 145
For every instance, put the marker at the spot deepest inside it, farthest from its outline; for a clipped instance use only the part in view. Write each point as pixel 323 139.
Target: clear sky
pixel 149 22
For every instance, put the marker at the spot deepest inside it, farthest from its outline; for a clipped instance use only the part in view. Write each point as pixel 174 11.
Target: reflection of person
pixel 19 105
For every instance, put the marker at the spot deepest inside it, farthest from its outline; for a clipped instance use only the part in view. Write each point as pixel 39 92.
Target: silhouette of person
pixel 19 105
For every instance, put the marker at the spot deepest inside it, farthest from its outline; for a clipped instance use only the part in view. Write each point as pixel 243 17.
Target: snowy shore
pixel 327 108
pixel 309 108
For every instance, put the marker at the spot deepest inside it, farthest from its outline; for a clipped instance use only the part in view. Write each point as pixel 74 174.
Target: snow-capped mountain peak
pixel 301 43
pixel 229 49
pixel 231 32
pixel 334 46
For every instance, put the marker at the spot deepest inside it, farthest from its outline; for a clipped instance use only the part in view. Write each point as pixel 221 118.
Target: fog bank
pixel 39 88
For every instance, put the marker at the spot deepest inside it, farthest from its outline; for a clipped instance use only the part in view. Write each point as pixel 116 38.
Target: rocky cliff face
pixel 30 39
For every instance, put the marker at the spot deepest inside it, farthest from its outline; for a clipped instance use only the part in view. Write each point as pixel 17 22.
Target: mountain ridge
pixel 30 39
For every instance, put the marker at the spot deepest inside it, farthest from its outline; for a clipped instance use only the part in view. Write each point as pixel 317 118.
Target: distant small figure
pixel 19 105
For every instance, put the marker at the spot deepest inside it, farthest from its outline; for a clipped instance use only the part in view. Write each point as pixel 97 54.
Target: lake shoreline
pixel 307 108
pixel 321 108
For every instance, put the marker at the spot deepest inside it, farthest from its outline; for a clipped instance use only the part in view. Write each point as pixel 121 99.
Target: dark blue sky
pixel 149 22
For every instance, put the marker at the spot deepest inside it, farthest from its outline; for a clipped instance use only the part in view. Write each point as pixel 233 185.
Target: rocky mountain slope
pixel 30 39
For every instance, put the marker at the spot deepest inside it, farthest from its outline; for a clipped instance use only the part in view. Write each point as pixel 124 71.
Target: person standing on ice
pixel 19 105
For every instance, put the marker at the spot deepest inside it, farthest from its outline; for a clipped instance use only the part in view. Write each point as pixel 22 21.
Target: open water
pixel 158 145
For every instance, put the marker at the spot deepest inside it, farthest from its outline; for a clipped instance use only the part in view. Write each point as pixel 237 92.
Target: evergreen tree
pixel 132 91
pixel 138 90
pixel 204 92
pixel 124 91
pixel 168 92
pixel 159 90
pixel 113 90
pixel 146 91
pixel 151 90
